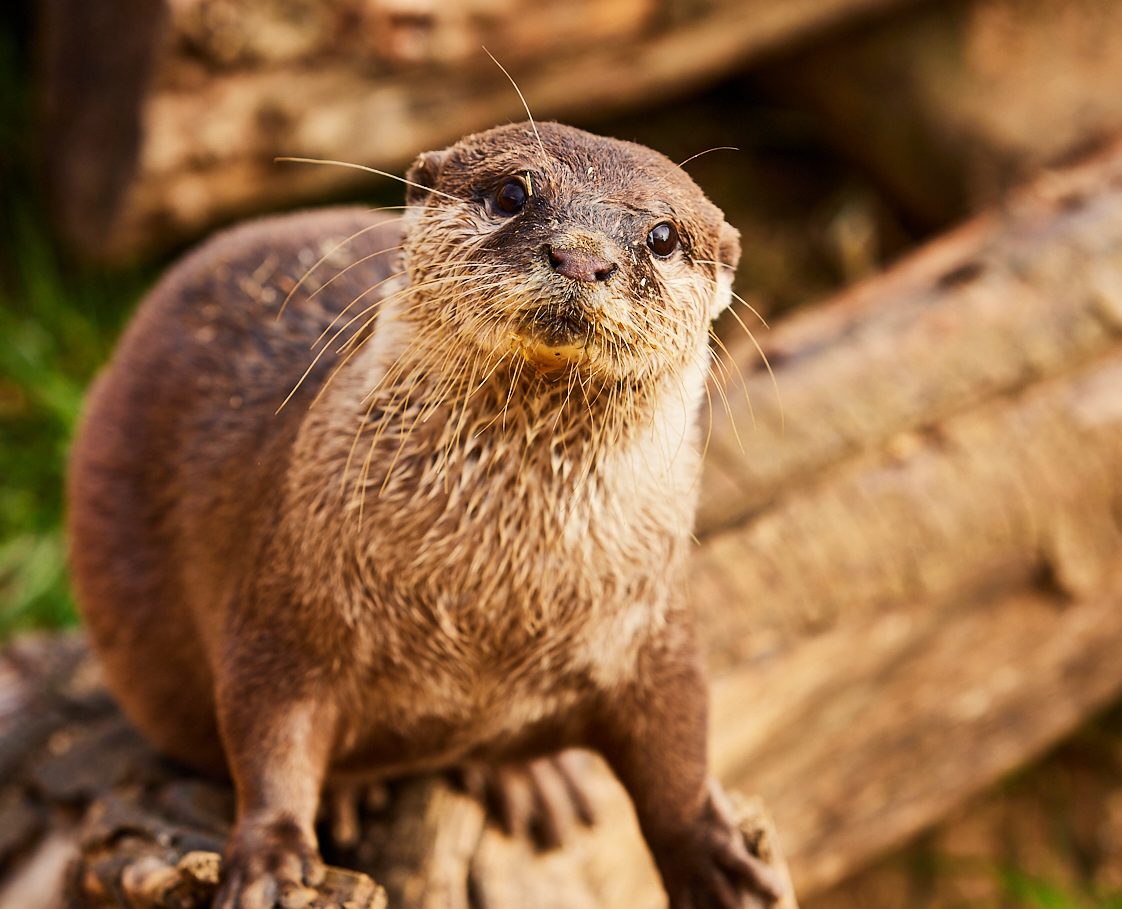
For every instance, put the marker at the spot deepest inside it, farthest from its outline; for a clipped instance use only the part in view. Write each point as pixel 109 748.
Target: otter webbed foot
pixel 711 866
pixel 268 864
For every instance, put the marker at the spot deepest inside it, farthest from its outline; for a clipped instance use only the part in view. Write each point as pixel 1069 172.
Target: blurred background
pixel 846 135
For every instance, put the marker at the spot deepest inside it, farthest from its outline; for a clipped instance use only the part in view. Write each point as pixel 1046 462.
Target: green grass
pixel 57 325
pixel 1029 892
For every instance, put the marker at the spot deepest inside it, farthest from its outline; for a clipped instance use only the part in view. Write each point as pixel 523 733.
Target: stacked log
pixel 162 119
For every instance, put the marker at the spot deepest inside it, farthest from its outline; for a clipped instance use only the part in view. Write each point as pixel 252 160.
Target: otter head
pixel 574 251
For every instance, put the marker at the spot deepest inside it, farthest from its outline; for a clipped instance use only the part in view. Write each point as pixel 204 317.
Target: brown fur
pixel 437 552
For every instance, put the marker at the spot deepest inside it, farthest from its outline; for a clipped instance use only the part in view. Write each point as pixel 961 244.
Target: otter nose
pixel 580 264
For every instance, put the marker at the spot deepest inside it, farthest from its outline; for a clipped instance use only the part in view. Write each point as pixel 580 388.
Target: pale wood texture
pixel 908 587
pixel 946 424
pixel 160 125
pixel 862 737
pixel 912 578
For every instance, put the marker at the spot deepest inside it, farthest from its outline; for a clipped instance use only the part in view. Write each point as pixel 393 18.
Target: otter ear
pixel 728 251
pixel 423 174
pixel 728 254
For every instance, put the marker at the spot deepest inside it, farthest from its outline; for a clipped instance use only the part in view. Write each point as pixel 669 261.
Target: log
pixel 952 441
pixel 967 394
pixel 862 737
pixel 908 587
pixel 161 119
pixel 856 753
pixel 983 93
pixel 150 835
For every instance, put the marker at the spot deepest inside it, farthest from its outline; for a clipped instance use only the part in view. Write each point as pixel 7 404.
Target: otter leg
pixel 278 750
pixel 653 734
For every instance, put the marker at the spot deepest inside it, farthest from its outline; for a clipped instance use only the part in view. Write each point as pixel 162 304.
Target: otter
pixel 455 533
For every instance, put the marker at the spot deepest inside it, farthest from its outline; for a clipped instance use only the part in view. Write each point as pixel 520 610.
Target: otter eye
pixel 510 198
pixel 663 239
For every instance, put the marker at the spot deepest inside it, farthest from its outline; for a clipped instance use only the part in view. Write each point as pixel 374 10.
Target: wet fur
pixel 433 553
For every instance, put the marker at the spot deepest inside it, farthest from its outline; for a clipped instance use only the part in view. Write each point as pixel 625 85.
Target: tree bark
pixel 163 118
pixel 909 586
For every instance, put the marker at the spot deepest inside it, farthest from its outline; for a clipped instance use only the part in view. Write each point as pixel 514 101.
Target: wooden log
pixel 164 118
pixel 952 440
pixel 1012 297
pixel 952 103
pixel 859 738
pixel 968 395
pixel 863 736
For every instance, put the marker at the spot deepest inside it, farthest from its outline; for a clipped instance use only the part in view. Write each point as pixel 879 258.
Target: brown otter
pixel 462 538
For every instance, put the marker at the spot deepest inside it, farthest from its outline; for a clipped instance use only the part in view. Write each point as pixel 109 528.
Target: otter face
pixel 577 251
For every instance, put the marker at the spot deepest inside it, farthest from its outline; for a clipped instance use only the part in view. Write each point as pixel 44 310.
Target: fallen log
pixel 163 120
pixel 1014 296
pixel 141 833
pixel 862 737
pixel 946 475
pixel 908 588
pixel 970 394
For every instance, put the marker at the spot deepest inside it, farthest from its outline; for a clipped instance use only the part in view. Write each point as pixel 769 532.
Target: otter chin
pixel 446 561
pixel 546 356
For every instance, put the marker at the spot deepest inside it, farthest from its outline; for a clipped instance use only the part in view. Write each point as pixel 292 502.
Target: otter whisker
pixel 411 290
pixel 740 375
pixel 718 384
pixel 732 292
pixel 522 98
pixel 682 164
pixel 370 170
pixel 324 258
pixel 357 262
pixel 709 427
pixel 750 307
pixel 349 356
pixel 342 312
pixel 326 347
pixel 323 350
pixel 767 364
pixel 398 406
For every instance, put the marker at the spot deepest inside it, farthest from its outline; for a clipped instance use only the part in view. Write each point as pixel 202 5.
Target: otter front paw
pixel 711 866
pixel 268 864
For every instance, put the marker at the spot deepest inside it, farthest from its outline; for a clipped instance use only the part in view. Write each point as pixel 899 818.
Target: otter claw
pixel 268 866
pixel 714 868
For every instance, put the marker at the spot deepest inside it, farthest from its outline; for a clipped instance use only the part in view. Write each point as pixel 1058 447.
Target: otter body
pixel 459 535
